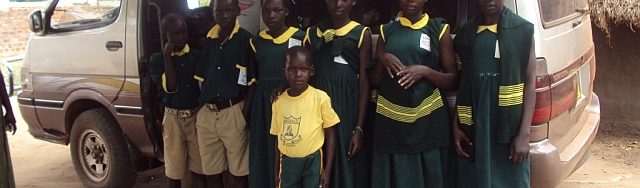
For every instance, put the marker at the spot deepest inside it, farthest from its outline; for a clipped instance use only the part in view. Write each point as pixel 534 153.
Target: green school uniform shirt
pixel 184 63
pixel 225 68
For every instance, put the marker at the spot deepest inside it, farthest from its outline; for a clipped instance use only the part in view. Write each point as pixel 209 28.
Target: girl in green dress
pixel 412 121
pixel 8 122
pixel 269 49
pixel 342 50
pixel 496 98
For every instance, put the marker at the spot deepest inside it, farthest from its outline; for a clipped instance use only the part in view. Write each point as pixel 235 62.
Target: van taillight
pixel 542 112
pixel 555 94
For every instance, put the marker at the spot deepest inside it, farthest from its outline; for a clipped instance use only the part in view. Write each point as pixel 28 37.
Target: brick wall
pixel 15 31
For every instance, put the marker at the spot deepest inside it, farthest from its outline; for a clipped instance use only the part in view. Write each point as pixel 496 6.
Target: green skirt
pixel 343 92
pixel 430 168
pixel 262 144
pixel 6 169
pixel 499 172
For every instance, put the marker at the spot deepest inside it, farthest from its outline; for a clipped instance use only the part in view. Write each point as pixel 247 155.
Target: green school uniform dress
pixel 490 98
pixel 411 125
pixel 6 169
pixel 269 53
pixel 336 59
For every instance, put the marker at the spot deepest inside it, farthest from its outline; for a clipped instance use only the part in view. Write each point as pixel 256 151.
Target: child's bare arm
pixel 169 72
pixel 277 167
pixel 330 142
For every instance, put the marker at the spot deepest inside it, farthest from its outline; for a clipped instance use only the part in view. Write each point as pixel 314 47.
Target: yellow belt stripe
pixel 513 95
pixel 406 114
pixel 464 115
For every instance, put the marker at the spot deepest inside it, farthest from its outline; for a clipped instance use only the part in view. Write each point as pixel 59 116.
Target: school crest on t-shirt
pixel 291 129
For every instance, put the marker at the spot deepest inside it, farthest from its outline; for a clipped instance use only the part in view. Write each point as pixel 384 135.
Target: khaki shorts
pixel 181 151
pixel 223 140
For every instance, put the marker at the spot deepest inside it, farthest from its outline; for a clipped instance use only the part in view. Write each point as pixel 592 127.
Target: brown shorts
pixel 181 151
pixel 223 140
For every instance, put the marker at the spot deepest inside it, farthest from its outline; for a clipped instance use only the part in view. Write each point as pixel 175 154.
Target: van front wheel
pixel 99 151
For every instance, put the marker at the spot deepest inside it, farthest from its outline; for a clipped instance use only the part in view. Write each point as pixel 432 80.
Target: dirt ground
pixel 614 162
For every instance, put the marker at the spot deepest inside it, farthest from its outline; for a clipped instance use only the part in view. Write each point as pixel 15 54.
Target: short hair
pixel 299 52
pixel 170 22
pixel 214 3
pixel 285 3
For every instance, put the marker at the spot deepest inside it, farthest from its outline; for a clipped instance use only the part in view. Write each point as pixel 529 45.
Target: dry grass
pixel 606 13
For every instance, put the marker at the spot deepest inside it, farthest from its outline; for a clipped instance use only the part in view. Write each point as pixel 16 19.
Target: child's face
pixel 298 71
pixel 411 7
pixel 490 7
pixel 177 34
pixel 340 9
pixel 225 12
pixel 274 13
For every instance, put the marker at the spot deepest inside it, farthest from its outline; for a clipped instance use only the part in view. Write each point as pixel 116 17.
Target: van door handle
pixel 113 45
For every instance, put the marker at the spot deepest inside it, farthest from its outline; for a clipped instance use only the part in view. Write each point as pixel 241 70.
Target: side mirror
pixel 36 21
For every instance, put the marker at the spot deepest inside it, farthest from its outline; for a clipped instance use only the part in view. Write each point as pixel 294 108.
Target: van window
pixel 555 12
pixel 71 15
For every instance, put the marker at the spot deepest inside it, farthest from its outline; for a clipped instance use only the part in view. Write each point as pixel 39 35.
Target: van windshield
pixel 558 10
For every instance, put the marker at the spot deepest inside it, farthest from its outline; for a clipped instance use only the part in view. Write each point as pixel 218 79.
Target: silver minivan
pixel 85 82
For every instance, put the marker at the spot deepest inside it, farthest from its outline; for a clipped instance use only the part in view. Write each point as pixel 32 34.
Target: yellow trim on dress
pixel 444 30
pixel 493 28
pixel 408 114
pixel 511 95
pixel 198 78
pixel 465 115
pixel 184 50
pixel 342 31
pixel 253 47
pixel 284 37
pixel 418 25
pixel 362 36
pixel 382 33
pixel 306 38
pixel 214 33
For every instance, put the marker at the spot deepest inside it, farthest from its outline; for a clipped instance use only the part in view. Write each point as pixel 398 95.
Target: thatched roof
pixel 613 12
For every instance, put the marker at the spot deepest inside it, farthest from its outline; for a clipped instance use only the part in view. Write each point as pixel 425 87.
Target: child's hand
pixel 325 178
pixel 277 92
pixel 355 145
pixel 519 149
pixel 392 64
pixel 460 139
pixel 411 75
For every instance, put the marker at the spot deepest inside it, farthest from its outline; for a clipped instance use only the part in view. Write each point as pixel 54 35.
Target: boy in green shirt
pixel 172 70
pixel 225 75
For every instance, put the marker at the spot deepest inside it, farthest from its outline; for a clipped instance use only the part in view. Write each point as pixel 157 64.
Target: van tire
pixel 99 152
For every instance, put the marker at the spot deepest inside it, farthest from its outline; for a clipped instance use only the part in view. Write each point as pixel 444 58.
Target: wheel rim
pixel 94 156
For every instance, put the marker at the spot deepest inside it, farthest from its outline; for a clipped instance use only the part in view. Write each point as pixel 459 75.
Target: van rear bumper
pixel 549 166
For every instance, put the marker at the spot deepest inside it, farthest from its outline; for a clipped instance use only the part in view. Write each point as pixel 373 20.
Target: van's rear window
pixel 558 10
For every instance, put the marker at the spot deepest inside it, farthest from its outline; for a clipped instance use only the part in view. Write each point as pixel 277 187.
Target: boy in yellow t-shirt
pixel 303 119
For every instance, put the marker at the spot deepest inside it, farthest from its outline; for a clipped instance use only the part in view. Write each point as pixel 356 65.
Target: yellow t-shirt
pixel 299 121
